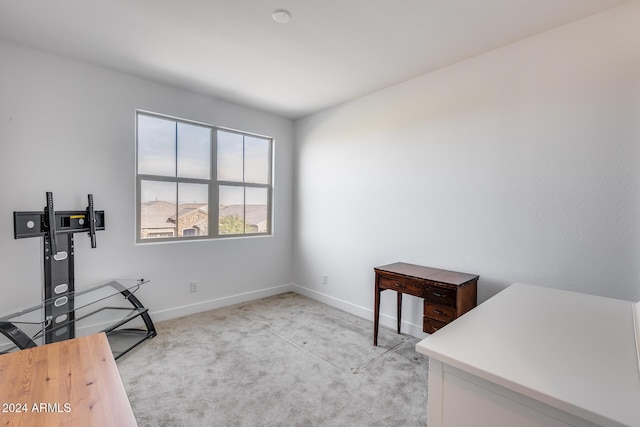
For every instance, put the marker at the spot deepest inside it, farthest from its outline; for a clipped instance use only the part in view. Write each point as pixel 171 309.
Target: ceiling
pixel 330 52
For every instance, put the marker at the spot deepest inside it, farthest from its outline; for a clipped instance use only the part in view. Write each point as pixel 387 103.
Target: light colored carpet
pixel 286 360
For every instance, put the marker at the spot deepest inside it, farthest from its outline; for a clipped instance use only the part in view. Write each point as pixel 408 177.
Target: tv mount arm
pixel 91 216
pixel 50 223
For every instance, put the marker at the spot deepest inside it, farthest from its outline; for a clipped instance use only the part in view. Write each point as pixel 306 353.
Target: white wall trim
pixel 364 312
pixel 212 304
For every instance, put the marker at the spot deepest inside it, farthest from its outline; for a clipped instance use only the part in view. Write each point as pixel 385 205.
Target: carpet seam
pixel 376 359
pixel 352 371
pixel 274 332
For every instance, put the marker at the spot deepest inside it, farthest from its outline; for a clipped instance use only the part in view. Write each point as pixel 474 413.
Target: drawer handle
pixel 436 294
pixel 399 285
pixel 438 311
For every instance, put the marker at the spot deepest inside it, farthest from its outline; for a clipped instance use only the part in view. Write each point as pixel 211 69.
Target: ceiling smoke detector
pixel 281 16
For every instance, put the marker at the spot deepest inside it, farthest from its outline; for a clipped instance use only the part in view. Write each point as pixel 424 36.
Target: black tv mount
pixel 58 254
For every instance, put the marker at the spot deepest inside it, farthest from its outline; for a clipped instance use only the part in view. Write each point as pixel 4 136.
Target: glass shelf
pixel 112 287
pixel 98 308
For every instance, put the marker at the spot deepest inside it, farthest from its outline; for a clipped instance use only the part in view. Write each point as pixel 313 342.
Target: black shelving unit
pixel 62 311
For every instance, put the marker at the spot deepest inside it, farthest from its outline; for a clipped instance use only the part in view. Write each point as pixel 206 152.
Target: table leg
pixel 376 316
pixel 399 309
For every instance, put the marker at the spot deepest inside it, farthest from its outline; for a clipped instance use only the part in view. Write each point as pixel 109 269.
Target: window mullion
pixel 175 149
pixel 244 189
pixel 214 186
pixel 175 171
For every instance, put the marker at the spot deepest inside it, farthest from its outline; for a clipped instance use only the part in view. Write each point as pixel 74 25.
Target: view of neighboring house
pixel 192 219
pixel 163 219
pixel 255 216
pixel 154 219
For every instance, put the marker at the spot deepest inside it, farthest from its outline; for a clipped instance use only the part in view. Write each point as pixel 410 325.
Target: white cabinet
pixel 533 356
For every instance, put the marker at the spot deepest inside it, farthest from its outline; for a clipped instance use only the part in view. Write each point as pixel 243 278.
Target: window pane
pixel 157 207
pixel 193 210
pixel 256 160
pixel 231 216
pixel 230 156
pixel 256 210
pixel 194 151
pixel 156 146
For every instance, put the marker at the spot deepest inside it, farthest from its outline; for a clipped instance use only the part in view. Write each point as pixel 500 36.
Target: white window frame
pixel 212 182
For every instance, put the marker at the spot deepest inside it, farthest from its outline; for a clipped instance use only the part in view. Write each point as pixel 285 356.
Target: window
pixel 199 181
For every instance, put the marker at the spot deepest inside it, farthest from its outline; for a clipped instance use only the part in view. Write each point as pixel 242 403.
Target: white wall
pixel 520 165
pixel 68 127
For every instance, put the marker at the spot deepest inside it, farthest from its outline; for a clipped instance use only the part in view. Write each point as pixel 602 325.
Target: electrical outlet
pixel 325 279
pixel 193 286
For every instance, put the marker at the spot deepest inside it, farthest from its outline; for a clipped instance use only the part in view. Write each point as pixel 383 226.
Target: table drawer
pixel 440 295
pixel 402 284
pixel 439 312
pixel 430 325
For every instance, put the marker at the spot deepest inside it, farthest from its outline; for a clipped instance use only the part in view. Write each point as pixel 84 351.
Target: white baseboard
pixel 366 313
pixel 201 306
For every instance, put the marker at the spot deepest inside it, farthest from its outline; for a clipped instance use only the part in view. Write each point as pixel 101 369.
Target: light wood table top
pixel 69 383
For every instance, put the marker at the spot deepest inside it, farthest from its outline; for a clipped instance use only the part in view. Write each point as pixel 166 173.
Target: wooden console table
pixel 68 383
pixel 447 294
